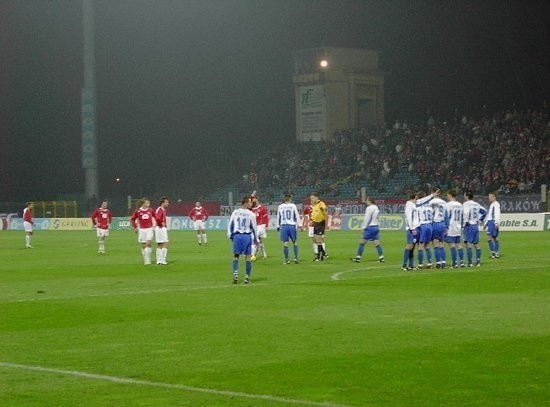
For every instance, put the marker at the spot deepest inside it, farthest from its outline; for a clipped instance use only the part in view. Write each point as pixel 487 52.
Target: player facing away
pixel 453 228
pixel 161 231
pixel 473 214
pixel 288 221
pixel 241 229
pixel 319 218
pixel 438 231
pixel 492 222
pixel 28 224
pixel 371 231
pixel 425 230
pixel 262 223
pixel 412 226
pixel 101 219
pixel 143 221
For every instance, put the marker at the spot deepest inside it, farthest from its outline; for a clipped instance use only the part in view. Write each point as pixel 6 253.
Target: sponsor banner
pixel 522 221
pixel 547 221
pixel 184 223
pixel 71 224
pixel 516 203
pixel 39 224
pixel 386 222
pixel 121 223
pixel 312 113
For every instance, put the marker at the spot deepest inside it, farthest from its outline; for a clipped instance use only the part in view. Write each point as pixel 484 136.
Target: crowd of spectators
pixel 508 151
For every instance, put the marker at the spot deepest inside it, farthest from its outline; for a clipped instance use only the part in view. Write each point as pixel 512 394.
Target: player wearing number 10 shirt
pixel 288 220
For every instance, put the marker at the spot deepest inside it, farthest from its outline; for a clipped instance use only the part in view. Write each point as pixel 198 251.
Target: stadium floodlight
pixel 323 63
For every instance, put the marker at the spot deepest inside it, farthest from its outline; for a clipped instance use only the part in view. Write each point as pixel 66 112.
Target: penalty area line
pixel 148 383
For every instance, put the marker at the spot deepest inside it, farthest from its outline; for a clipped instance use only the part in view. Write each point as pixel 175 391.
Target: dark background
pixel 189 91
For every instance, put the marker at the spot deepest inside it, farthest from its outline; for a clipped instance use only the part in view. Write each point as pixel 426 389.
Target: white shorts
pixel 102 232
pixel 161 234
pixel 310 231
pixel 145 235
pixel 199 225
pixel 262 231
pixel 28 226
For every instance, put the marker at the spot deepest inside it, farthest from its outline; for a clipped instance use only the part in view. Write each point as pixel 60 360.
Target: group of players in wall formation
pixel 430 222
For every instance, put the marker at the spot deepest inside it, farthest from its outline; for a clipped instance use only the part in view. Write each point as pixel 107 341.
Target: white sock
pixel 199 238
pixel 204 239
pixel 315 248
pixel 164 251
pixel 27 240
pixel 159 255
pixel 147 254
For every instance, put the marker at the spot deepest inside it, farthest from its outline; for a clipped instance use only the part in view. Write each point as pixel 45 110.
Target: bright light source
pixel 117 179
pixel 324 63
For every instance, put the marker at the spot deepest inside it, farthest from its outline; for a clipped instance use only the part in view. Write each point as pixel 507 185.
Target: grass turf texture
pixel 116 332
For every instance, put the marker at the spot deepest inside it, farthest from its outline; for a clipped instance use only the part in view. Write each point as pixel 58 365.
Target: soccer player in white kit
pixel 473 214
pixel 438 231
pixel 370 231
pixel 453 228
pixel 492 222
pixel 241 229
pixel 288 221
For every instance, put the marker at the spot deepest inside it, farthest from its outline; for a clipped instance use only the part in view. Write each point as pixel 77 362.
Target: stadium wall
pixel 509 222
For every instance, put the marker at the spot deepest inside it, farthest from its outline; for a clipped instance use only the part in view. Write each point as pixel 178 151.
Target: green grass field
pixel 82 329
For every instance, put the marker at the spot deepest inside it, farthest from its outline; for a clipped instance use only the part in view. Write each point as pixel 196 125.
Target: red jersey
pixel 160 217
pixel 102 218
pixel 143 218
pixel 27 215
pixel 198 213
pixel 262 218
pixel 307 215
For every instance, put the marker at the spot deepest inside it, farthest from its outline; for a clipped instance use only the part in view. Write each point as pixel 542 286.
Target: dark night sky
pixel 188 90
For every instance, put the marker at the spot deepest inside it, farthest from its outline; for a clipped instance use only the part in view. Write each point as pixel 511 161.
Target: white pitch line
pixel 333 277
pixel 432 272
pixel 138 382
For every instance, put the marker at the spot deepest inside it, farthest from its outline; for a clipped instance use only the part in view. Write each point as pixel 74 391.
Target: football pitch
pixel 82 329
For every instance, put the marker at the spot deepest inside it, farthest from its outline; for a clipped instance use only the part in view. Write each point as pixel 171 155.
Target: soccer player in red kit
pixel 28 224
pixel 143 220
pixel 262 222
pixel 199 215
pixel 102 218
pixel 161 231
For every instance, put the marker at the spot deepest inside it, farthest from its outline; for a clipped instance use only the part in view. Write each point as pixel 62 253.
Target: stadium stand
pixel 508 152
